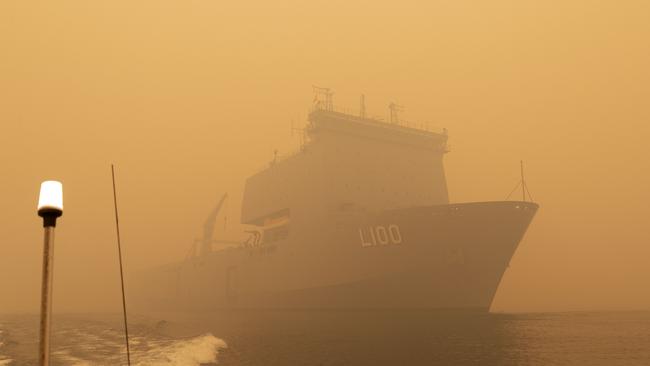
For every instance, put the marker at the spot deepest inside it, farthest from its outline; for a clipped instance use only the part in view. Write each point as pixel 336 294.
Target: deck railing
pixel 421 126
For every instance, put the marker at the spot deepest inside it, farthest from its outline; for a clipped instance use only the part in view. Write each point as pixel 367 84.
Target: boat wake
pixel 194 351
pixel 188 352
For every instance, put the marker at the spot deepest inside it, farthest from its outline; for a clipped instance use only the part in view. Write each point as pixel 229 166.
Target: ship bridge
pixel 339 122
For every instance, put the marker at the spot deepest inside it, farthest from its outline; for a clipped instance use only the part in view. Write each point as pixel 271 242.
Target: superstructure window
pixel 275 234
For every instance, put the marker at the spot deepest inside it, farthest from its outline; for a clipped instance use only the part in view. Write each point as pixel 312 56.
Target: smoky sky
pixel 188 98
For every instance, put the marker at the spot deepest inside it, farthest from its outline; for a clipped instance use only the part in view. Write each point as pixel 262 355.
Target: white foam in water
pixel 66 357
pixel 187 352
pixel 84 348
pixel 3 359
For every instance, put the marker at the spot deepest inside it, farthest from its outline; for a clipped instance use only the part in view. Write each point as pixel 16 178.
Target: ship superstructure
pixel 350 162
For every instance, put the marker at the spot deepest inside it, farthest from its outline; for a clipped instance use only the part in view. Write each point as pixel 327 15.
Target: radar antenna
pixel 323 98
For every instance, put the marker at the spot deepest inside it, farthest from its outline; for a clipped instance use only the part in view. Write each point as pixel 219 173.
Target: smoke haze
pixel 189 98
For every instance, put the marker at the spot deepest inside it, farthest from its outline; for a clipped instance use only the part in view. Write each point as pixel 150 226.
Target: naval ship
pixel 358 218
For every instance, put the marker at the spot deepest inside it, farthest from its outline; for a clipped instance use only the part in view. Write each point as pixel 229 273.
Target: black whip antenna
pixel 119 251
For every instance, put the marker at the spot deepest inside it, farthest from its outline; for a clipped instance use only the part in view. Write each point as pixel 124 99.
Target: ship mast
pixel 394 110
pixel 328 95
pixel 523 182
pixel 524 187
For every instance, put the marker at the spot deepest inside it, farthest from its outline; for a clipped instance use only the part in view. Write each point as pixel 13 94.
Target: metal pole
pixel 119 252
pixel 46 297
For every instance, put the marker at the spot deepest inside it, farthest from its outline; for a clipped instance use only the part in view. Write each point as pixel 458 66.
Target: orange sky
pixel 188 98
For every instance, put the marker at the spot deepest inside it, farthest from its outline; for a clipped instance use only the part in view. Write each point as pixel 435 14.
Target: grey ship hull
pixel 442 256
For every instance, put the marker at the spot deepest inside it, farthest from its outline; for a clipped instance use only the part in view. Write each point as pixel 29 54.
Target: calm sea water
pixel 337 338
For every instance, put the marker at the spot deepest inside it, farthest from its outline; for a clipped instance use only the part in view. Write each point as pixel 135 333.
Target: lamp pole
pixel 50 207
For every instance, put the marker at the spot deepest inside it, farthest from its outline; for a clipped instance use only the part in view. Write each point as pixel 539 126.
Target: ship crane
pixel 207 239
pixel 208 226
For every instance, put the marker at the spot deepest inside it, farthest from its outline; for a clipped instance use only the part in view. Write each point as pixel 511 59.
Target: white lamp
pixel 50 206
pixel 50 202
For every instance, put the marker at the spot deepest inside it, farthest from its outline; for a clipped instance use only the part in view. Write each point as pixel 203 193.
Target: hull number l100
pixel 380 235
